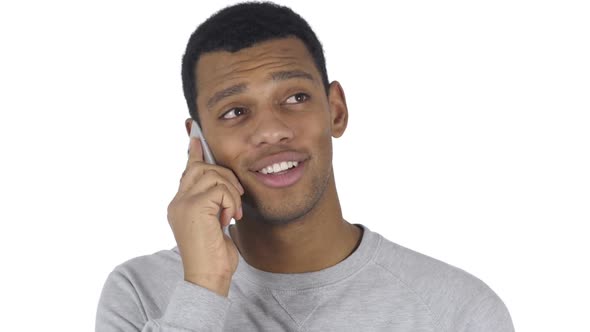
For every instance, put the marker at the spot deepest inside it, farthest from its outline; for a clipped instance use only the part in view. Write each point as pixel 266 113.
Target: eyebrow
pixel 227 92
pixel 240 88
pixel 288 74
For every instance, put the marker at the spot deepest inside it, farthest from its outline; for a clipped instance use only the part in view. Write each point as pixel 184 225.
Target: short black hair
pixel 240 26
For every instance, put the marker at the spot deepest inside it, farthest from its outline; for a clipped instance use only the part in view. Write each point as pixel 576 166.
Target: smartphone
pixel 198 133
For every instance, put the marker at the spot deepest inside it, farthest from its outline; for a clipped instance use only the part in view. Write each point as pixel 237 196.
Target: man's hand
pixel 207 199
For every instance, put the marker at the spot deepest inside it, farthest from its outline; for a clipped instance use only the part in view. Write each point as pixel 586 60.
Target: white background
pixel 468 141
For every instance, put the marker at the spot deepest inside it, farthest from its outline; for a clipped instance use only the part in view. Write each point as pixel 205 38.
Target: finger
pixel 225 218
pixel 210 179
pixel 231 176
pixel 235 212
pixel 224 202
pixel 192 175
pixel 195 151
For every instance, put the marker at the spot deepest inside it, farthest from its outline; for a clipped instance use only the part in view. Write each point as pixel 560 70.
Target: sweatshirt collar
pixel 363 254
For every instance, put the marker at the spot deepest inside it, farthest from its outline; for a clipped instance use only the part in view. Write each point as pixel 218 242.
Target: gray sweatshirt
pixel 381 286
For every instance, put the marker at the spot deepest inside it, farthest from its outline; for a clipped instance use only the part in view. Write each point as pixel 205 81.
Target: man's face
pixel 263 109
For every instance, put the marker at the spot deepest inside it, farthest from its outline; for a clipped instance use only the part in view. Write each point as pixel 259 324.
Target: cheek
pixel 317 129
pixel 226 150
pixel 316 135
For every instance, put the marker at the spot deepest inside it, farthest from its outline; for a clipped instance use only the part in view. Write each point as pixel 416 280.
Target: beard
pixel 288 208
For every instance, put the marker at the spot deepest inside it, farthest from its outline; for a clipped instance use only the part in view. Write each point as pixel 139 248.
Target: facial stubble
pixel 287 208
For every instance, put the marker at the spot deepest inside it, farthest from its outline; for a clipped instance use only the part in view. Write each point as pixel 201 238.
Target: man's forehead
pixel 213 68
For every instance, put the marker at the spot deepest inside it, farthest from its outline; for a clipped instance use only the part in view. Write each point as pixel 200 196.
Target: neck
pixel 318 240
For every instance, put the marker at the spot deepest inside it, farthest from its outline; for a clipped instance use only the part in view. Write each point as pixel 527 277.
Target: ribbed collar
pixel 298 281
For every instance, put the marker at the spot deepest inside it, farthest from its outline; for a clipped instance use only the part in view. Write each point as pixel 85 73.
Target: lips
pixel 280 170
pixel 278 158
pixel 283 178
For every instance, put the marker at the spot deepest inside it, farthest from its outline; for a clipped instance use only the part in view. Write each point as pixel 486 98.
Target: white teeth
pixel 278 167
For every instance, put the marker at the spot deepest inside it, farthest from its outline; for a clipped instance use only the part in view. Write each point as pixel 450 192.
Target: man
pixel 255 80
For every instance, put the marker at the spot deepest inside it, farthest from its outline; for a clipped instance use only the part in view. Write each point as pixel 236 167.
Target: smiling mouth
pixel 281 175
pixel 278 168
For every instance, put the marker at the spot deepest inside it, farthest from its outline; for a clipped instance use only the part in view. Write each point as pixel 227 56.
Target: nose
pixel 271 129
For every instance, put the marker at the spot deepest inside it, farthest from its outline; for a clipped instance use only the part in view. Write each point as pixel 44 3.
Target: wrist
pixel 217 283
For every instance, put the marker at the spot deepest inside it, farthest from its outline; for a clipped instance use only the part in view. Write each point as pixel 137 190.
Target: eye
pixel 297 98
pixel 234 113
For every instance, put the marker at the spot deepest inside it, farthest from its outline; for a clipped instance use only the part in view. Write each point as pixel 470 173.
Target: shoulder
pixel 152 271
pixel 138 290
pixel 457 299
pixel 161 260
pixel 142 280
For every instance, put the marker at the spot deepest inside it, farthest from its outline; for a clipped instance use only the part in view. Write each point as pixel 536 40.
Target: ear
pixel 338 109
pixel 188 123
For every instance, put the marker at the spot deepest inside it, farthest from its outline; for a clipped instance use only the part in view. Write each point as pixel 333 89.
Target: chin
pixel 275 215
pixel 275 210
